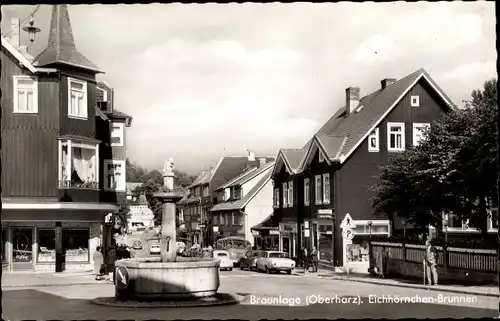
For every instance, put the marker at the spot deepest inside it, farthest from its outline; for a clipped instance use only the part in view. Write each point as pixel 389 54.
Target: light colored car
pixel 275 261
pixel 155 249
pixel 226 263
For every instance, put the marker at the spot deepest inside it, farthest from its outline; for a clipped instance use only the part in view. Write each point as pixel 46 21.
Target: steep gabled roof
pixel 244 174
pixel 241 203
pixel 242 180
pixel 290 158
pixel 20 57
pixel 61 47
pixel 341 134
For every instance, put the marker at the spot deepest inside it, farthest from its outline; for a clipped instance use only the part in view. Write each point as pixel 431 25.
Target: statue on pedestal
pixel 168 167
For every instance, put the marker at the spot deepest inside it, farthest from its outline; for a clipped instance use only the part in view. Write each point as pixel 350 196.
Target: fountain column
pixel 168 227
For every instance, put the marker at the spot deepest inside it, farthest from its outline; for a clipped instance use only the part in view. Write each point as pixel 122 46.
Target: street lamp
pixel 369 223
pixel 31 30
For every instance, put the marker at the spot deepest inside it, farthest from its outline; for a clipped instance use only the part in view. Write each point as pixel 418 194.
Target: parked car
pixel 226 263
pixel 275 261
pixel 249 261
pixel 155 249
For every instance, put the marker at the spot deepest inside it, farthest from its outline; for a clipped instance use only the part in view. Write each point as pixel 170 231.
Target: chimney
pixel 387 82
pixel 251 156
pixel 15 34
pixel 24 51
pixel 262 161
pixel 351 99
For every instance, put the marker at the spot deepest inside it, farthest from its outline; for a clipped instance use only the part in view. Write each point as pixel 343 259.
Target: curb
pixel 412 286
pixel 53 284
pixel 220 299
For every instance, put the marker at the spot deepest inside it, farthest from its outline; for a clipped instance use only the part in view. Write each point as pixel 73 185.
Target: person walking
pixel 431 263
pixel 98 263
pixel 314 259
pixel 110 262
pixel 306 262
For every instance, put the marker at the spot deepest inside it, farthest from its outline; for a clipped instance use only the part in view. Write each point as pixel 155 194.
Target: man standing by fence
pixel 431 263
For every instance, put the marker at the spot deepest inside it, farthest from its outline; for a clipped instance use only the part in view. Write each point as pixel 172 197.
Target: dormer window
pixel 25 95
pixel 373 141
pixel 77 99
pixel 116 135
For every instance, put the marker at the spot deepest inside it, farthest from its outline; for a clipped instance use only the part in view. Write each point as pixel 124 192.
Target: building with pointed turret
pixel 56 141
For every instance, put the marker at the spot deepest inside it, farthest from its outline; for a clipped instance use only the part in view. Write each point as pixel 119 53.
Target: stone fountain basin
pixel 151 279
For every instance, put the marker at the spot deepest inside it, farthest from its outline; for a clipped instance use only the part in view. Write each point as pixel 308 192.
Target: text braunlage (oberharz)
pixel 358 300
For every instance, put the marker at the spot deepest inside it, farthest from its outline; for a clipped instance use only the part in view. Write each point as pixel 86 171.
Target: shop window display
pixel 46 240
pixel 76 244
pixel 4 247
pixel 357 251
pixel 325 242
pixel 22 245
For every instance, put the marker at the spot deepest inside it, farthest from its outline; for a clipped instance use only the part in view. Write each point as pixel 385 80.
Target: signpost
pixel 121 278
pixel 347 225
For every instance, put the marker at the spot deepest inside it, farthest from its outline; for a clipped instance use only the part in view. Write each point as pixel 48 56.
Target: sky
pixel 207 80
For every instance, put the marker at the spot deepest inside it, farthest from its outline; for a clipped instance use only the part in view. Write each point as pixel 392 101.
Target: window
pixel 307 190
pixel 418 132
pixel 22 245
pixel 415 101
pixel 102 95
pixel 114 175
pixel 326 188
pixel 216 220
pixel 395 137
pixel 276 197
pixel 321 157
pixel 75 242
pixel 456 224
pixel 116 135
pixel 77 98
pixel 205 191
pixel 373 141
pixel 290 193
pixel 233 219
pixel 25 95
pixel 46 240
pixel 78 167
pixel 317 187
pixel 285 195
pixel 222 220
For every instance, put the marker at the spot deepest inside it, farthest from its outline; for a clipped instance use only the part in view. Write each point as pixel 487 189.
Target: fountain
pixel 168 280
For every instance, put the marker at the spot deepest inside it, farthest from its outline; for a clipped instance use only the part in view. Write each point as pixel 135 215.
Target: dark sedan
pixel 249 260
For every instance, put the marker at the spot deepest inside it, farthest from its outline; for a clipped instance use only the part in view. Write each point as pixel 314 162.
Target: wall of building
pixel 360 172
pixel 29 145
pixel 258 209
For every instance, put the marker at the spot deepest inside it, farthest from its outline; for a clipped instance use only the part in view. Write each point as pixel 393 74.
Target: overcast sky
pixel 202 81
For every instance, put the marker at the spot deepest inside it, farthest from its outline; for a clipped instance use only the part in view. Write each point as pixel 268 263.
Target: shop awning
pixel 266 225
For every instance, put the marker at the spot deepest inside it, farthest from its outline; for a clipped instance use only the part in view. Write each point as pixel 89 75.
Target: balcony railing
pixel 79 185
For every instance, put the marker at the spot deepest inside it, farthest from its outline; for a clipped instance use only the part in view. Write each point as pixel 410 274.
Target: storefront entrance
pixel 288 238
pixel 22 249
pixel 285 244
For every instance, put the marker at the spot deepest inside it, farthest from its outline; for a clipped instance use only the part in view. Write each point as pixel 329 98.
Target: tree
pixel 134 172
pixel 454 170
